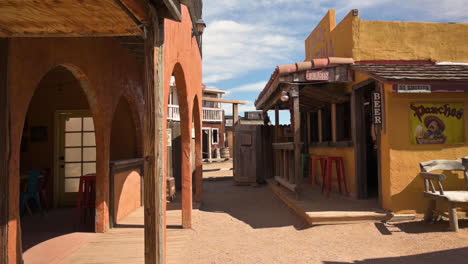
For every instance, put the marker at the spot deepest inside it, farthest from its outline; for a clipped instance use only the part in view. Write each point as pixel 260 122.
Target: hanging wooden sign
pixel 376 108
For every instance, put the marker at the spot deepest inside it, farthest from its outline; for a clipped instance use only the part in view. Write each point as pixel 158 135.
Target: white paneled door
pixel 76 153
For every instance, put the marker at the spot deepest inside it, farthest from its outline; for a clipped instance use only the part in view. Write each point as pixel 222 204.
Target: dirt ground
pixel 246 225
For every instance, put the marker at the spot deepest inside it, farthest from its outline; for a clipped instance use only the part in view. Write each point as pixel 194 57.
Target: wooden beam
pixel 174 8
pixel 4 152
pixel 222 100
pixel 154 192
pixel 138 8
pixel 297 137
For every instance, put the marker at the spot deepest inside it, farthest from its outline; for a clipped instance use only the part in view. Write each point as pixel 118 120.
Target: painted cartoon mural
pixel 437 123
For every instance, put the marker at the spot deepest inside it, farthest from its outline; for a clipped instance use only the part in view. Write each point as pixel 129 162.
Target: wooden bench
pixel 452 197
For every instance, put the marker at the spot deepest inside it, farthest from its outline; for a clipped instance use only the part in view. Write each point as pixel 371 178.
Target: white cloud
pixel 232 49
pixel 250 87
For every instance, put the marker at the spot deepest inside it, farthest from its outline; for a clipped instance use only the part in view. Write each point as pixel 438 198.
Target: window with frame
pixel 215 136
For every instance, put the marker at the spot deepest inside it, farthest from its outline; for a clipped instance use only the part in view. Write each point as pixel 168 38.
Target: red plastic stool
pixel 313 159
pixel 86 195
pixel 340 173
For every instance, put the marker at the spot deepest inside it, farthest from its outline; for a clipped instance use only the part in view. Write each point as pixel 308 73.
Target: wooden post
pixel 153 143
pixel 235 119
pixel 4 152
pixel 277 127
pixel 235 114
pixel 320 125
pixel 297 137
pixel 333 121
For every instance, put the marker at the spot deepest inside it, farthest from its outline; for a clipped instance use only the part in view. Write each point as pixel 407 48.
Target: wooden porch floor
pixel 316 208
pixel 125 243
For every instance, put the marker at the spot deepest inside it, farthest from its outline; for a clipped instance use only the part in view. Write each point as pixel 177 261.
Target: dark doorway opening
pixel 205 141
pixel 367 139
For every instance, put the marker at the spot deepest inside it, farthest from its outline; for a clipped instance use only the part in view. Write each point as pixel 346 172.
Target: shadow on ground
pixel 38 228
pixel 453 256
pixel 418 227
pixel 256 206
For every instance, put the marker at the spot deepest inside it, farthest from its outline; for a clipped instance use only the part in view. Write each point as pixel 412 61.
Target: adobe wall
pixel 182 58
pixel 127 193
pixel 105 69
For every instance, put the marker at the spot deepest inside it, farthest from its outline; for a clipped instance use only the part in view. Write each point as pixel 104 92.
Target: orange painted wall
pixel 106 71
pixel 182 58
pixel 127 193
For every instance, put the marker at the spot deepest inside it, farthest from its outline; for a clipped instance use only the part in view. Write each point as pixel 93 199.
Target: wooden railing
pixel 209 114
pixel 173 113
pixel 212 114
pixel 284 165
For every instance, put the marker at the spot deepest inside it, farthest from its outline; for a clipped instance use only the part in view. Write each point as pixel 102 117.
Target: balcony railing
pixel 209 114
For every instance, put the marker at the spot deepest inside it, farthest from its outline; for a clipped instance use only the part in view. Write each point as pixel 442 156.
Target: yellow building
pixel 383 95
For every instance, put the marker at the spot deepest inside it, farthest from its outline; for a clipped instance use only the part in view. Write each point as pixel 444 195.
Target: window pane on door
pixel 72 139
pixel 73 124
pixel 89 139
pixel 89 154
pixel 89 168
pixel 88 124
pixel 72 170
pixel 72 154
pixel 71 185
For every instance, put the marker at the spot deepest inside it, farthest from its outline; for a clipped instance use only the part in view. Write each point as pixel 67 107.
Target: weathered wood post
pixel 4 152
pixel 297 137
pixel 277 127
pixel 235 119
pixel 153 142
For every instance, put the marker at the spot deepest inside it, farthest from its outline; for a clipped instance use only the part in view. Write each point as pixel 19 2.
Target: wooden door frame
pixel 58 139
pixel 358 134
pixel 5 146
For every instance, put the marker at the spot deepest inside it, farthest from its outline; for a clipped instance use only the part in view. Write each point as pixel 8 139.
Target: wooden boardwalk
pixel 124 244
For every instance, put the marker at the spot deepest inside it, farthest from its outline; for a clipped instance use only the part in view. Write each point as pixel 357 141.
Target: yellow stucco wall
pixel 348 156
pixel 389 40
pixel 400 172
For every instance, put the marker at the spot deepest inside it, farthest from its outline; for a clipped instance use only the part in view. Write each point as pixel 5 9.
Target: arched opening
pixel 126 164
pixel 179 147
pixel 58 147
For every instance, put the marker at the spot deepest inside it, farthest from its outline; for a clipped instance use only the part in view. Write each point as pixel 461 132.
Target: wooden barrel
pixel 225 153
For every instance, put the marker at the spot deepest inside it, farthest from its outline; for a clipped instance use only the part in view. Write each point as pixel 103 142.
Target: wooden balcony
pixel 209 114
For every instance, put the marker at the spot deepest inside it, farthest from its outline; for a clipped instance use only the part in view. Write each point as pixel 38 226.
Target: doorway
pixel 206 140
pixel 76 153
pixel 367 142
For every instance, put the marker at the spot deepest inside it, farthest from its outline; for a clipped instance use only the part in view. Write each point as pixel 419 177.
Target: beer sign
pixel 376 108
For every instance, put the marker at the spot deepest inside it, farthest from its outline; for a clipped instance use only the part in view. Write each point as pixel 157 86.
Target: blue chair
pixel 32 192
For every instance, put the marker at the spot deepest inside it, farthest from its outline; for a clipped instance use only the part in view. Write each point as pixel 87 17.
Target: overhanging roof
pixel 295 73
pixel 415 73
pixel 73 18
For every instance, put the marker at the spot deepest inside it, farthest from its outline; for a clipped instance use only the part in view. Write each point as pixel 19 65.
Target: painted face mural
pixel 437 123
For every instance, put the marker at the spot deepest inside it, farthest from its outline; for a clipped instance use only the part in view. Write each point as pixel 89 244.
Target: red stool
pixel 86 195
pixel 313 159
pixel 340 173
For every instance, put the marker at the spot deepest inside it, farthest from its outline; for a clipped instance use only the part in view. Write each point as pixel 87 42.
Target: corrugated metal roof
pixel 400 73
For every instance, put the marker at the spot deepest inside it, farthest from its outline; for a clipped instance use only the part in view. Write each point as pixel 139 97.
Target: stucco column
pixel 186 171
pixel 198 158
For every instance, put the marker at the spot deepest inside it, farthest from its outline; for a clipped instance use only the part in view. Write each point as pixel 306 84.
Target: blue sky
pixel 246 39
